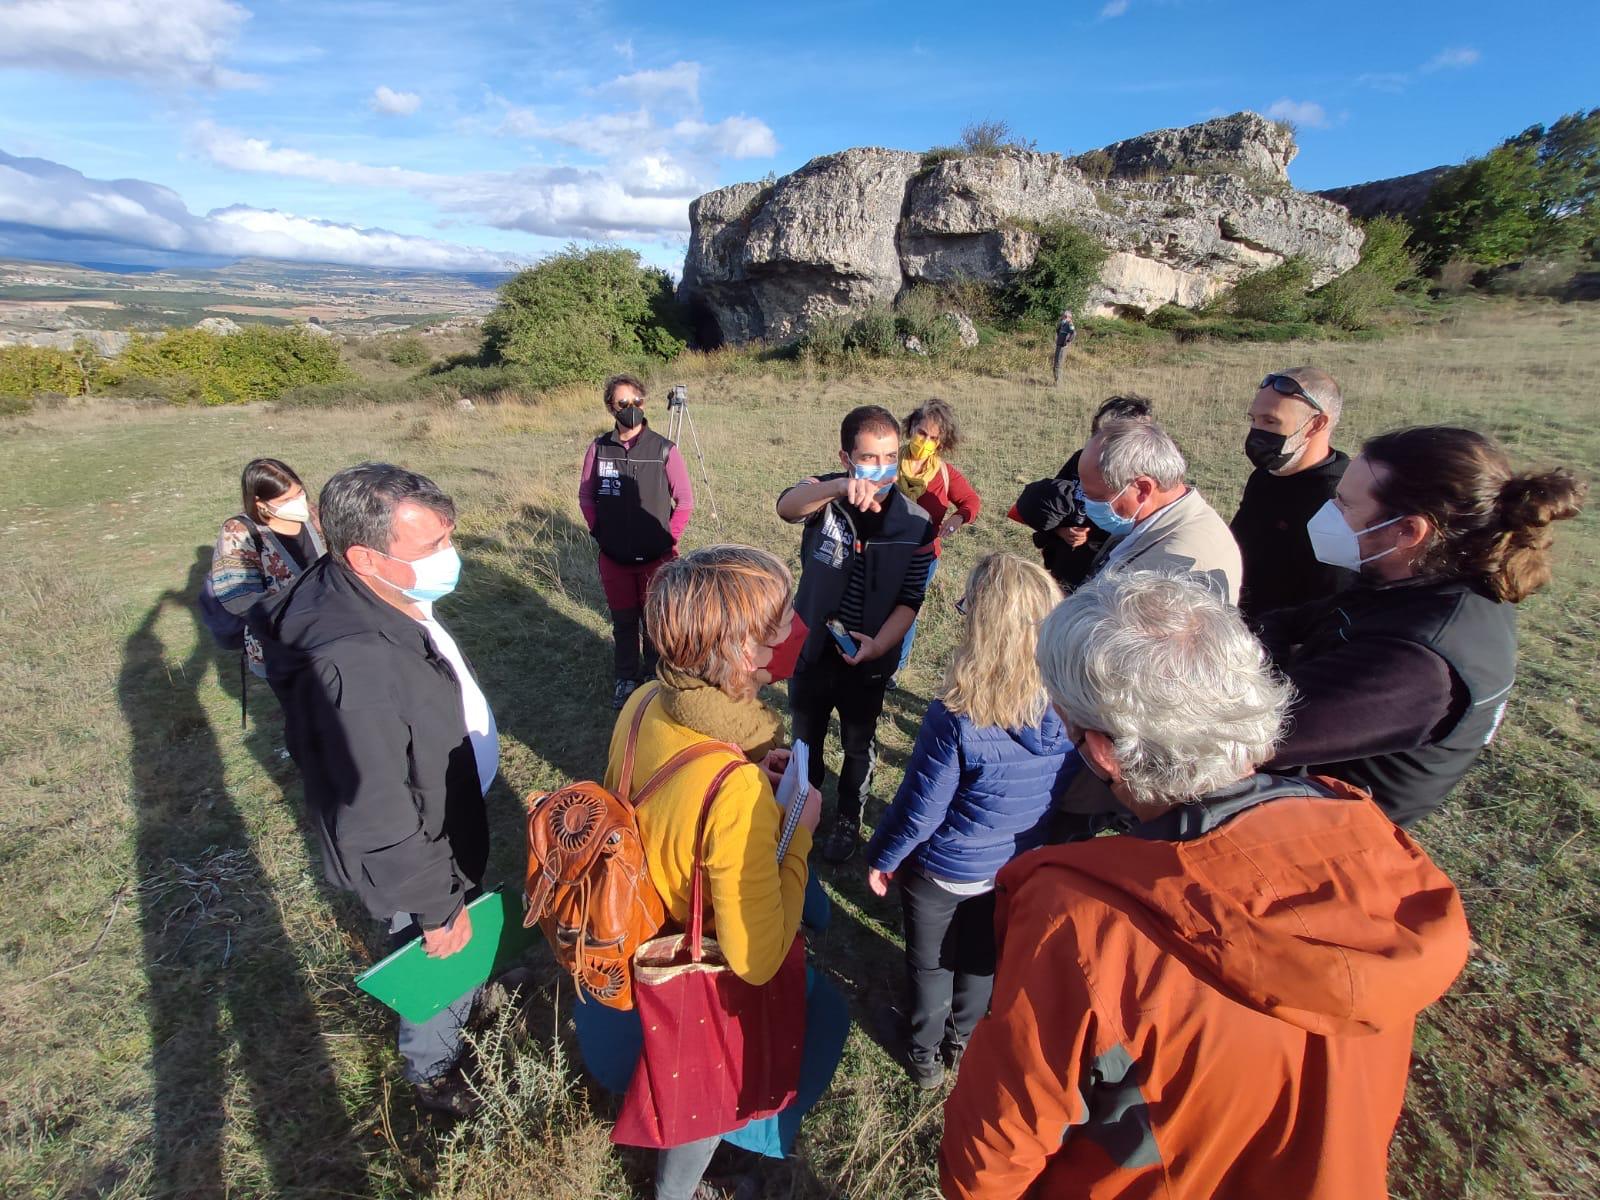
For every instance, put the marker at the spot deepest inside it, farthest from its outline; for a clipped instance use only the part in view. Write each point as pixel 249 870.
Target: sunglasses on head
pixel 1288 385
pixel 961 605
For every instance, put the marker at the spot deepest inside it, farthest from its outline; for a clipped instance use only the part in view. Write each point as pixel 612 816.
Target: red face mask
pixel 787 652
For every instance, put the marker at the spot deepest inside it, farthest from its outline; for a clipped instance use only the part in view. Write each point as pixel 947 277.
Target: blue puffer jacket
pixel 974 797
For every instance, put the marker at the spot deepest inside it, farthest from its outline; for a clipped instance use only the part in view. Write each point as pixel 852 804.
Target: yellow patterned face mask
pixel 919 466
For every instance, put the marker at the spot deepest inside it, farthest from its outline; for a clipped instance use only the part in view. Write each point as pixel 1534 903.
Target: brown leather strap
pixel 667 769
pixel 625 783
pixel 696 886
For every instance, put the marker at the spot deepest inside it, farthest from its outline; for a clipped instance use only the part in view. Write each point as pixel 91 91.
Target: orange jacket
pixel 1223 1015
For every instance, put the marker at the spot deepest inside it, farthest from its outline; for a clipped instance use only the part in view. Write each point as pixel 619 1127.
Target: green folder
pixel 418 986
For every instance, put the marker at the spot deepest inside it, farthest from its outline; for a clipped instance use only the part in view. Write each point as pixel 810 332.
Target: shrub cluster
pixel 1066 266
pixel 196 366
pixel 582 314
pixel 29 371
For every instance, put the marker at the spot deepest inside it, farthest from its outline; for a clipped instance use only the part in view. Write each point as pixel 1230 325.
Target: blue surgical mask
pixel 437 574
pixel 1103 515
pixel 885 474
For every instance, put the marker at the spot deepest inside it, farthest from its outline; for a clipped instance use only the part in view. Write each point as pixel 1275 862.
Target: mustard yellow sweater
pixel 754 901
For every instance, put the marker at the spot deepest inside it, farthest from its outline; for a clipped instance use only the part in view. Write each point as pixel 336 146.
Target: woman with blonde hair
pixel 723 622
pixel 976 793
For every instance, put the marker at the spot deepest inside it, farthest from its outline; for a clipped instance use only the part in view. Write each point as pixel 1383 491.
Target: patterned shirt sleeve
pixel 236 573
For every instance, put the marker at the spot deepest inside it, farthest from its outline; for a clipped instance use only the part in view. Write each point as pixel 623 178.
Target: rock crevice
pixel 1183 213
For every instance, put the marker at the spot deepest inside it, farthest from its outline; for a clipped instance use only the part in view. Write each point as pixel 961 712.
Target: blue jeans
pixel 911 634
pixel 431 1047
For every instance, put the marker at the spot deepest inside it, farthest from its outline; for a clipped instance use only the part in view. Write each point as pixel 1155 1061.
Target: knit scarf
pixel 748 724
pixel 917 474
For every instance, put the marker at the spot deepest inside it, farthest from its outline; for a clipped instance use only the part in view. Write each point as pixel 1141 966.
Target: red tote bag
pixel 718 1052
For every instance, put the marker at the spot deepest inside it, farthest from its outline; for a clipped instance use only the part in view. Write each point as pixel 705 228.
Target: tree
pixel 580 313
pixel 1532 195
pixel 1062 272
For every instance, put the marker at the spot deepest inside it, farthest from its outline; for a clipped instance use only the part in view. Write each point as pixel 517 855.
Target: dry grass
pixel 174 986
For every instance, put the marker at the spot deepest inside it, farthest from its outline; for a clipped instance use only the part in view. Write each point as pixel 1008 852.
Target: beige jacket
pixel 1186 535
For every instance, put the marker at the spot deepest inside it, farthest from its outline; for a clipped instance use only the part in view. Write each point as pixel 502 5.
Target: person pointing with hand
pixel 865 556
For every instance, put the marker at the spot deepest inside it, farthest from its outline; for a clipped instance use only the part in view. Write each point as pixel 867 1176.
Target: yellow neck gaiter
pixel 919 466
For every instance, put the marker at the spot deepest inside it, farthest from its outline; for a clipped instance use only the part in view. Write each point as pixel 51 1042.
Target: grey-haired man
pixel 392 734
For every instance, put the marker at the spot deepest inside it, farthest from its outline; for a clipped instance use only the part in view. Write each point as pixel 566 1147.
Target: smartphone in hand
pixel 841 637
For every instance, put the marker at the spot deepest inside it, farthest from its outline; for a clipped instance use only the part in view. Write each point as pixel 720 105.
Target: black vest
pixel 632 503
pixel 1476 635
pixel 828 550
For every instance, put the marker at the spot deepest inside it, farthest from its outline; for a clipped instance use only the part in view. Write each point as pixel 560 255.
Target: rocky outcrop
pixel 1183 212
pixel 1402 196
pixel 221 326
pixel 105 343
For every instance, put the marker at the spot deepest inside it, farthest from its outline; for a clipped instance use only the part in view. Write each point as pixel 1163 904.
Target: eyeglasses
pixel 638 402
pixel 961 605
pixel 1288 385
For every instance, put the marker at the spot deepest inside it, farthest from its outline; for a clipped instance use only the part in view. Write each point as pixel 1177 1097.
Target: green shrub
pixel 409 351
pixel 1353 300
pixel 921 313
pixel 1244 329
pixel 1170 316
pixel 1275 295
pixel 1062 272
pixel 873 333
pixel 28 371
pixel 824 339
pixel 582 313
pixel 193 365
pixel 1095 165
pixel 1386 252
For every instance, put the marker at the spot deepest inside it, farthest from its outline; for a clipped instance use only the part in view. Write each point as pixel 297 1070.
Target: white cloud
pixel 731 137
pixel 52 199
pixel 394 104
pixel 1385 81
pixel 1114 8
pixel 1452 57
pixel 1306 113
pixel 678 83
pixel 168 42
pixel 624 50
pixel 645 198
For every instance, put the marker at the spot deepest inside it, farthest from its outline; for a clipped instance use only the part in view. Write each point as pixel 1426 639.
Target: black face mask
pixel 1264 449
pixel 630 416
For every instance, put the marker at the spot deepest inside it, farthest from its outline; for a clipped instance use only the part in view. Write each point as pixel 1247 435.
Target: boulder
pixel 221 326
pixel 106 343
pixel 965 329
pixel 1184 214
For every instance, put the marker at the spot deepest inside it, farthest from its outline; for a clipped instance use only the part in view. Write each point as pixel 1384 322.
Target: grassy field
pixel 175 978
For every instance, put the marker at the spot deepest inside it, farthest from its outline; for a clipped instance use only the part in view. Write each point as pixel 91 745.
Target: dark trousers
pixel 625 586
pixel 815 694
pixel 949 962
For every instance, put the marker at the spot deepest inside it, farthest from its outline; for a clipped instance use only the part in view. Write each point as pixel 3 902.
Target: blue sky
pixel 477 135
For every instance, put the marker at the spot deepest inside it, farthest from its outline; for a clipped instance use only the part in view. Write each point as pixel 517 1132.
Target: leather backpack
pixel 588 885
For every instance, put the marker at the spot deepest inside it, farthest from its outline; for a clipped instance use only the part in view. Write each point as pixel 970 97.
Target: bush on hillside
pixel 923 313
pixel 1352 301
pixel 259 362
pixel 1386 252
pixel 582 314
pixel 1062 272
pixel 980 139
pixel 409 351
pixel 873 333
pixel 1275 295
pixel 29 371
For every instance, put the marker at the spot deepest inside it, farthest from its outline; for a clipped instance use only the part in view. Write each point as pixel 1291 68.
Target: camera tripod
pixel 678 415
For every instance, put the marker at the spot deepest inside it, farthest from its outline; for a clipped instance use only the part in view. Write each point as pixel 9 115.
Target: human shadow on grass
pixel 225 990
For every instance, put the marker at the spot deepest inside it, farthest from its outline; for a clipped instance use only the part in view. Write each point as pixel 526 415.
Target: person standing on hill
pixel 392 734
pixel 1402 680
pixel 865 554
pixel 1065 332
pixel 1297 471
pixel 926 476
pixel 636 498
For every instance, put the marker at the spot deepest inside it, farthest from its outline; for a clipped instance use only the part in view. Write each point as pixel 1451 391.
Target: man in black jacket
pixel 864 561
pixel 392 735
pixel 1297 471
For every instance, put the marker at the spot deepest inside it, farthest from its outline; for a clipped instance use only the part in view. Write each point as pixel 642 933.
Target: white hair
pixel 1129 449
pixel 1169 672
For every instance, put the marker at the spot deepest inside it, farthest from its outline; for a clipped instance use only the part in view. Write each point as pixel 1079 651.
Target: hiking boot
pixel 929 1075
pixel 449 1095
pixel 624 689
pixel 842 841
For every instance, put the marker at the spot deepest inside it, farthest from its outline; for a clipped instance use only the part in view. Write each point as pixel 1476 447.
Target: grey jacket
pixel 1186 535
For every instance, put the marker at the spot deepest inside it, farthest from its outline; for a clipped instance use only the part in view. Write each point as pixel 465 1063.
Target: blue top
pixel 974 797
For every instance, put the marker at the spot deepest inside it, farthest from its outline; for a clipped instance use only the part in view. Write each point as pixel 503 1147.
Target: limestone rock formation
pixel 221 326
pixel 1183 212
pixel 105 343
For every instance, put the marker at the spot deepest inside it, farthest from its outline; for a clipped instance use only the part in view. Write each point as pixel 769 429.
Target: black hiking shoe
pixel 952 1051
pixel 624 689
pixel 929 1076
pixel 449 1095
pixel 842 841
